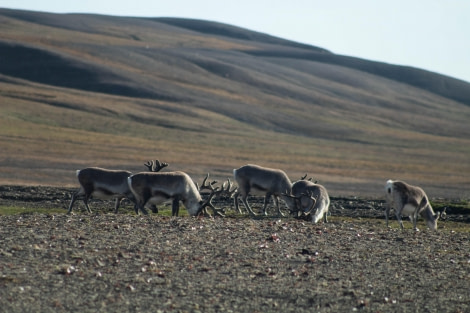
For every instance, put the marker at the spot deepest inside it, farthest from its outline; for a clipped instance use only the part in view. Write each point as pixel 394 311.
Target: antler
pixel 298 198
pixel 227 191
pixel 314 201
pixel 149 165
pixel 208 185
pixel 208 202
pixel 159 166
pixel 155 166
pixel 310 179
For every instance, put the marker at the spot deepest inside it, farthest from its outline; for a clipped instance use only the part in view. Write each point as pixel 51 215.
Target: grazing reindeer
pixel 254 179
pixel 105 184
pixel 311 198
pixel 409 201
pixel 149 187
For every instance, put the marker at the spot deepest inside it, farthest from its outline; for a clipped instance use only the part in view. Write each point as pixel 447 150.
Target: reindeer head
pixel 303 203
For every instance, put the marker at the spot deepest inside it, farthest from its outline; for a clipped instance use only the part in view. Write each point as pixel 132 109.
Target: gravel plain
pixel 105 262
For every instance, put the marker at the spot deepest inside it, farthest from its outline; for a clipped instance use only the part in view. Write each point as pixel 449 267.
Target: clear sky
pixel 428 34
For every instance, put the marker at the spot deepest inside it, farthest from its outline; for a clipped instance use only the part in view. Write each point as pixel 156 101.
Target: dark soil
pixel 127 263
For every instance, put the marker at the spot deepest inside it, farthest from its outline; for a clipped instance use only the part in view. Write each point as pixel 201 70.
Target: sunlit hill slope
pixel 90 90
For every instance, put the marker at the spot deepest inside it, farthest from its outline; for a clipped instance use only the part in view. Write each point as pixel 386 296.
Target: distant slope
pixel 442 85
pixel 224 30
pixel 80 89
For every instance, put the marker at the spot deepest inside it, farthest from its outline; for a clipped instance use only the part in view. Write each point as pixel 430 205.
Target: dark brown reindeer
pixel 107 184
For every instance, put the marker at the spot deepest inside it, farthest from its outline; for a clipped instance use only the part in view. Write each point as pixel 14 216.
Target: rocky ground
pixel 105 262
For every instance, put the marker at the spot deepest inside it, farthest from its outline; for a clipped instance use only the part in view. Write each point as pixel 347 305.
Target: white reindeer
pixel 156 188
pixel 108 184
pixel 409 201
pixel 312 199
pixel 257 180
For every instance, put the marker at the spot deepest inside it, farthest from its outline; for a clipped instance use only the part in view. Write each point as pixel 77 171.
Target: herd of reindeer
pixel 303 198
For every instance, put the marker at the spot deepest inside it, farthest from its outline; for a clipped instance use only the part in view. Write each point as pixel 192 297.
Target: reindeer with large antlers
pixel 312 199
pixel 156 188
pixel 107 184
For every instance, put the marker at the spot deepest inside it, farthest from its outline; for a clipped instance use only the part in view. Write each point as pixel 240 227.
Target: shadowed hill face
pixel 48 68
pixel 207 97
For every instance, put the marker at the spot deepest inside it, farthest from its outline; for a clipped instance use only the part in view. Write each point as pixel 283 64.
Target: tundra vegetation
pixel 215 98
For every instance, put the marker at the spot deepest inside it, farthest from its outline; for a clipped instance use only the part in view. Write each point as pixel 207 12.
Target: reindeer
pixel 107 184
pixel 311 198
pixel 257 180
pixel 102 183
pixel 409 201
pixel 150 187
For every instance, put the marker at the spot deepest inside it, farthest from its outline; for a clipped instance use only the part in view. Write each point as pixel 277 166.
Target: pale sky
pixel 430 34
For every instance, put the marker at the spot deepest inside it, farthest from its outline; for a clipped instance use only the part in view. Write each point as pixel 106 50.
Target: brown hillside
pixel 89 90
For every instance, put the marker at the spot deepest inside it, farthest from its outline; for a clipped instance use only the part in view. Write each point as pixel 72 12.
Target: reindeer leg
pixel 387 212
pixel 85 200
pixel 235 202
pixel 116 205
pixel 74 197
pixel 398 215
pixel 276 201
pixel 175 207
pixel 138 206
pixel 144 211
pixel 266 202
pixel 247 206
pixel 414 218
